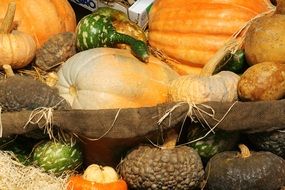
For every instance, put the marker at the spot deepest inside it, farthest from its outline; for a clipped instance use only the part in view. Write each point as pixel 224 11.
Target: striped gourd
pixel 97 30
pixel 57 157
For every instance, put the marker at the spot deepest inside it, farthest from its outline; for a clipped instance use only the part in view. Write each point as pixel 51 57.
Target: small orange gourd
pixel 97 177
pixel 42 18
pixel 79 183
pixel 192 31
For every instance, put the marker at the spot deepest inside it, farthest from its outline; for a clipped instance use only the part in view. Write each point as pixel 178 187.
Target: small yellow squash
pixel 16 48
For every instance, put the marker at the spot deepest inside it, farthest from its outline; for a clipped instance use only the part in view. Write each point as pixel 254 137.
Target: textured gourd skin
pixel 104 78
pixel 152 168
pixel 260 171
pixel 262 82
pixel 273 141
pixel 24 93
pixel 221 87
pixel 192 31
pixel 42 18
pixel 57 49
pixel 265 38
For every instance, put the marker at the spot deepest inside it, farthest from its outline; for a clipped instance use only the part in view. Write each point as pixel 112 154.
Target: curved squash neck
pixel 139 48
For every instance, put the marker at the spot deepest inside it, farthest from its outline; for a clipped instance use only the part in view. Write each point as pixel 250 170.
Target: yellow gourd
pixel 16 48
pixel 221 87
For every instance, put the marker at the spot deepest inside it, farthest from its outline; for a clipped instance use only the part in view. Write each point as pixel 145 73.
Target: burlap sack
pixel 108 134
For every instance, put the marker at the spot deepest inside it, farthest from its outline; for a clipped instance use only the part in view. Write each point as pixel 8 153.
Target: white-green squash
pixel 105 78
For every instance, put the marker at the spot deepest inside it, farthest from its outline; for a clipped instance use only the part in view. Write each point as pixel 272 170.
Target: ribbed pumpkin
pixel 16 48
pixel 192 31
pixel 104 78
pixel 42 18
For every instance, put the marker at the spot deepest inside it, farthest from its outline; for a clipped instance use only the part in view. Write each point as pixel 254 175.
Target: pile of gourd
pixel 106 61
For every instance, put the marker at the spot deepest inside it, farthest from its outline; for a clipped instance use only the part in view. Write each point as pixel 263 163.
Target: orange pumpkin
pixel 79 183
pixel 42 18
pixel 96 177
pixel 192 31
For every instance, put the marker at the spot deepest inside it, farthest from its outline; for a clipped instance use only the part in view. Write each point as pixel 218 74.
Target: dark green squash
pixel 234 62
pixel 6 141
pixel 98 30
pixel 22 147
pixel 213 143
pixel 273 141
pixel 245 171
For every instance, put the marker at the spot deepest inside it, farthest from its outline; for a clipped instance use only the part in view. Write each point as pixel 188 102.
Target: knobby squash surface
pixel 192 31
pixel 103 78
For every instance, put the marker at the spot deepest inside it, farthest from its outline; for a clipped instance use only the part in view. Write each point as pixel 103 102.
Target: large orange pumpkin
pixel 42 18
pixel 191 31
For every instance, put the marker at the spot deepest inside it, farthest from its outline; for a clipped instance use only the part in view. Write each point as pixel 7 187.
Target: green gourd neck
pixel 138 47
pixel 7 23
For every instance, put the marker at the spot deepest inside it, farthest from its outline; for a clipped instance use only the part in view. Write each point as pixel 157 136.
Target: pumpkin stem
pixel 8 70
pixel 73 90
pixel 245 153
pixel 7 23
pixel 280 8
pixel 52 79
pixel 171 139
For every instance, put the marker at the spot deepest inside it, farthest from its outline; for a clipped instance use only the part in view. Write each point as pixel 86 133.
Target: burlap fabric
pixel 116 131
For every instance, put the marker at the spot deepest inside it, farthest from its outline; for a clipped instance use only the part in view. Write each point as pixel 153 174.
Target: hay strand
pixel 15 175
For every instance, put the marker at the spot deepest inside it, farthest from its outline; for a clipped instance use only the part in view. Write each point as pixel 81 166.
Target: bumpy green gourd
pixel 96 30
